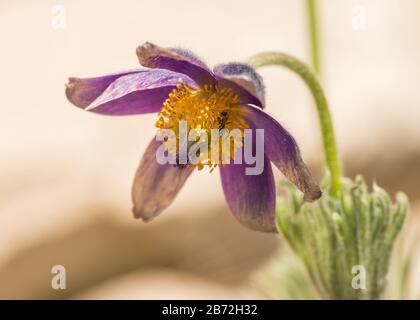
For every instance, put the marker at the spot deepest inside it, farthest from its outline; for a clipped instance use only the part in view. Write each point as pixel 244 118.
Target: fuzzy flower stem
pixel 327 130
pixel 312 16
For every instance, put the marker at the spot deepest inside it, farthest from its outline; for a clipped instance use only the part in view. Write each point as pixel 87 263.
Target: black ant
pixel 223 119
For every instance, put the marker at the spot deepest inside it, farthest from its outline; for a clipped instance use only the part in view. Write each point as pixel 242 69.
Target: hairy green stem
pixel 327 130
pixel 312 16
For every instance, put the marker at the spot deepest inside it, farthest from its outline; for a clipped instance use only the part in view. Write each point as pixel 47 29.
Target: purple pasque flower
pixel 179 86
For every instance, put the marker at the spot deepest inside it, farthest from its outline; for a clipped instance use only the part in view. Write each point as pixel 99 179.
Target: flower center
pixel 206 111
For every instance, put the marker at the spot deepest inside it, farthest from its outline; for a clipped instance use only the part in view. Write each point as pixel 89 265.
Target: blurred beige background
pixel 66 174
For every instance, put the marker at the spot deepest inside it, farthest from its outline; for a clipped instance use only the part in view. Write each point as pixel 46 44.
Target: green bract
pixel 345 243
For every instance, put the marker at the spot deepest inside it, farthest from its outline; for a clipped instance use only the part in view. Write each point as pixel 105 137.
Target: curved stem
pixel 312 16
pixel 327 130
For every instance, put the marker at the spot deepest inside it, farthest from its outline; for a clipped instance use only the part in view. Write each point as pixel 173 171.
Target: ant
pixel 223 119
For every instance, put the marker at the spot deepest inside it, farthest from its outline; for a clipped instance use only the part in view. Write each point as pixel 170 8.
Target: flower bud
pixel 345 243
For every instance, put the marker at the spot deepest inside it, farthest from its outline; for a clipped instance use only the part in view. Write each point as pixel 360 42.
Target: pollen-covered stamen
pixel 204 110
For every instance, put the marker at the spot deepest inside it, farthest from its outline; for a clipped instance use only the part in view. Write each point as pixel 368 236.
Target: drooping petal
pixel 251 198
pixel 81 92
pixel 244 80
pixel 282 149
pixel 182 61
pixel 156 185
pixel 134 93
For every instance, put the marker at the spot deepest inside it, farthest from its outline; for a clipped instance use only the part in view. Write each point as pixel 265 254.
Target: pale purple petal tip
pixel 244 80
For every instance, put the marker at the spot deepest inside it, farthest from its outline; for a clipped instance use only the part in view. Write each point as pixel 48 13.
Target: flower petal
pixel 251 198
pixel 136 93
pixel 81 92
pixel 182 61
pixel 156 185
pixel 244 80
pixel 282 149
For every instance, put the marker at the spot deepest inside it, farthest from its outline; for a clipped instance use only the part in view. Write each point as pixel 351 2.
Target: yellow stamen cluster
pixel 203 109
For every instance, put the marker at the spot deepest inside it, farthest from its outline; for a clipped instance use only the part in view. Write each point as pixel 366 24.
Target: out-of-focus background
pixel 66 174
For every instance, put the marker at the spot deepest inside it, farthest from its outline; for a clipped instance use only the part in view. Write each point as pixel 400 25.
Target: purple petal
pixel 251 198
pixel 177 60
pixel 155 185
pixel 81 92
pixel 135 93
pixel 282 150
pixel 190 56
pixel 244 80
